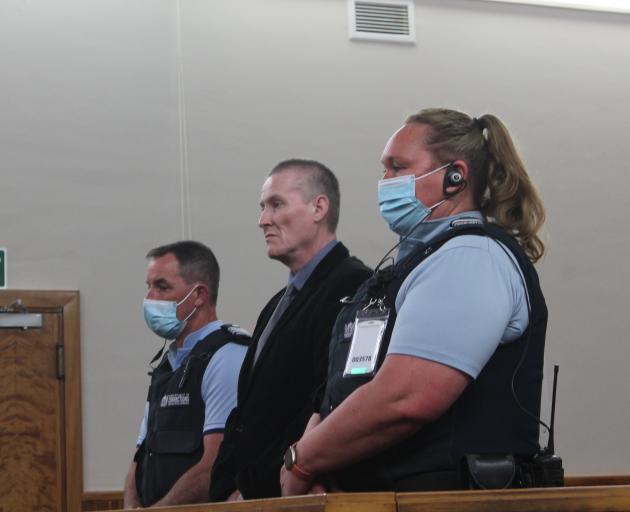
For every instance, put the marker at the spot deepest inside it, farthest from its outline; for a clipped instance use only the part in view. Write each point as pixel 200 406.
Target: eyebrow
pixel 270 198
pixel 391 159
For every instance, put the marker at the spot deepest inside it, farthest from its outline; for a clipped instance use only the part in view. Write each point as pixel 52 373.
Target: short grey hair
pixel 320 180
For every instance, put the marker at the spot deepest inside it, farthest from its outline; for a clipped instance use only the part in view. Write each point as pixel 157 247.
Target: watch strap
pixel 295 468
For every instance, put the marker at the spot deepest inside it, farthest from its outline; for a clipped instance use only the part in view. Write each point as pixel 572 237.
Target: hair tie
pixel 479 123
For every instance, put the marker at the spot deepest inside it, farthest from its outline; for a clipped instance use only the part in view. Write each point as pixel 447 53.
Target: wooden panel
pixel 360 502
pixel 112 500
pixel 562 499
pixel 31 419
pixel 590 480
pixel 65 303
pixel 556 499
pixel 102 500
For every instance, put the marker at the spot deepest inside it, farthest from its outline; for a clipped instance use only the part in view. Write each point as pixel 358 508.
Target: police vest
pixel 174 440
pixel 488 418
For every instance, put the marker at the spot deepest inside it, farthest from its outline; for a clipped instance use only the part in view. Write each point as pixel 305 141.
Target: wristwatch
pixel 290 464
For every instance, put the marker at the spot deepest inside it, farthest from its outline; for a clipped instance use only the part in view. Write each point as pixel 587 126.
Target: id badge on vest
pixel 369 327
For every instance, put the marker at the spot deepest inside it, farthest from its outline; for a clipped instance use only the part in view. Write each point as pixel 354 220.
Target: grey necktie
pixel 283 304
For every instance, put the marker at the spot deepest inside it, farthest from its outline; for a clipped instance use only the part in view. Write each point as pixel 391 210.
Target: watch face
pixel 289 458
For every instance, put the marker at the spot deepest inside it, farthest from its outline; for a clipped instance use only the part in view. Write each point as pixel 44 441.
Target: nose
pixel 264 219
pixel 150 294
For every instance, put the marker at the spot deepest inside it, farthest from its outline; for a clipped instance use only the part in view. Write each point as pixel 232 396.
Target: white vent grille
pixel 383 20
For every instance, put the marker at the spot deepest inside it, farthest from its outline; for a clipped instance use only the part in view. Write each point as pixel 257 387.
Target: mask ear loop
pixel 387 256
pixel 187 295
pixel 184 300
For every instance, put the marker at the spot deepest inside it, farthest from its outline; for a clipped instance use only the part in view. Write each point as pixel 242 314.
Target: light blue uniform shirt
pixel 460 303
pixel 220 380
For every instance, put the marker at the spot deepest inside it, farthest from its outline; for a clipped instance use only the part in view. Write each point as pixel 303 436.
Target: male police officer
pixel 193 389
pixel 287 360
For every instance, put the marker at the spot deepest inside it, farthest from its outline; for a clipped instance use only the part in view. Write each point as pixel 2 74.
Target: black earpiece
pixel 453 177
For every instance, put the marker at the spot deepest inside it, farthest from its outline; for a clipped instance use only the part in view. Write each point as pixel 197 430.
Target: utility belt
pixel 489 472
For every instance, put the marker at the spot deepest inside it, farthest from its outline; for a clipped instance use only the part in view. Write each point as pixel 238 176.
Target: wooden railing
pixel 601 498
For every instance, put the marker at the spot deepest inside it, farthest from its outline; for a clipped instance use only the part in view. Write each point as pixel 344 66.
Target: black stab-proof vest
pixel 486 418
pixel 174 440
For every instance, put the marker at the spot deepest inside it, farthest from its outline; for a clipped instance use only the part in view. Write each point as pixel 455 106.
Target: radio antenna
pixel 550 441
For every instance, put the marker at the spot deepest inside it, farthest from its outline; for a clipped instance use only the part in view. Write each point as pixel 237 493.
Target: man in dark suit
pixel 288 358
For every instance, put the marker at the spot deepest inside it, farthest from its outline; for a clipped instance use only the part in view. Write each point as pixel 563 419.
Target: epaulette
pixel 236 331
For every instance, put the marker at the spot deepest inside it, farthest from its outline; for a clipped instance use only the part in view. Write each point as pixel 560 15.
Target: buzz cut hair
pixel 319 180
pixel 196 261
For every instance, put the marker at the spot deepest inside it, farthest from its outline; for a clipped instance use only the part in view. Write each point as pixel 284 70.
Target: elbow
pixel 419 411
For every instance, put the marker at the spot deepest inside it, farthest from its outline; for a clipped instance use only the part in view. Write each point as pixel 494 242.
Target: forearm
pixel 223 474
pixel 351 433
pixel 354 432
pixel 406 394
pixel 313 422
pixel 130 495
pixel 192 487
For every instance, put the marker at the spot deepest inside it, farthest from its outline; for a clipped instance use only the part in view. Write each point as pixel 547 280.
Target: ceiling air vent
pixel 382 20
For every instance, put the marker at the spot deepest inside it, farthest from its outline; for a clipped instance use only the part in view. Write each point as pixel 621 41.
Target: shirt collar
pixel 177 355
pixel 301 276
pixel 428 230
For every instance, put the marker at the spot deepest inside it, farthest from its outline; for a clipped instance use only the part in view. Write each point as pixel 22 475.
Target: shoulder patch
pixel 236 331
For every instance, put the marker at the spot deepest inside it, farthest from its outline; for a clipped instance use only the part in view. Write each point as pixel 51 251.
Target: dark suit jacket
pixel 275 397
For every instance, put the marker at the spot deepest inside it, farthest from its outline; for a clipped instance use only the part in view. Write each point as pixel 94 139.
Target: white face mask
pixel 161 316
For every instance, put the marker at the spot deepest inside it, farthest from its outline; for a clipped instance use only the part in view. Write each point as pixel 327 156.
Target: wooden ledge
pixel 579 481
pixel 355 502
pixel 557 499
pixel 595 498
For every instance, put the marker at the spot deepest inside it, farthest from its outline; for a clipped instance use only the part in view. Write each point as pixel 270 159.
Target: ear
pixel 202 295
pixel 462 167
pixel 458 169
pixel 320 207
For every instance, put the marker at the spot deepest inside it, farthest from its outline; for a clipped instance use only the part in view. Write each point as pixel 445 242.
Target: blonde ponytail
pixel 511 199
pixel 502 189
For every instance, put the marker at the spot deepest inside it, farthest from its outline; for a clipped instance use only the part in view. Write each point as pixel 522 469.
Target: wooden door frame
pixel 68 303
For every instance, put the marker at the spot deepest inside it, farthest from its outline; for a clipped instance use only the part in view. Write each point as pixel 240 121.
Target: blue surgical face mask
pixel 399 205
pixel 161 316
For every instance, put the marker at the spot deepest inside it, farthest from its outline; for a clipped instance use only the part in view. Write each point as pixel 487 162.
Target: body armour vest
pixel 488 418
pixel 174 440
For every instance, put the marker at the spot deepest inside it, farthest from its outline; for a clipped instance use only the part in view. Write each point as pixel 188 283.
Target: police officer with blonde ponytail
pixel 436 363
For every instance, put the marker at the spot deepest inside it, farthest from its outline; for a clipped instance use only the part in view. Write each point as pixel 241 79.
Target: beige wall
pixel 97 97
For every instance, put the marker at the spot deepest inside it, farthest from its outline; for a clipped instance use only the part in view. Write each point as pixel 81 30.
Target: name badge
pixel 369 327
